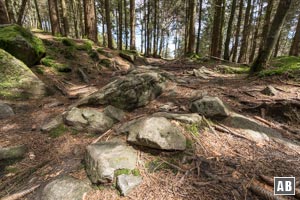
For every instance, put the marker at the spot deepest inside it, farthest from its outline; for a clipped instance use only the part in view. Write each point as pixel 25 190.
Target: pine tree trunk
pixel 38 14
pixel 277 46
pixel 215 39
pixel 199 27
pixel 229 31
pixel 295 48
pixel 65 17
pixel 10 12
pixel 55 28
pixel 3 13
pixel 74 17
pixel 90 20
pixel 155 29
pixel 21 12
pixel 264 55
pixel 108 24
pixel 192 11
pixel 120 8
pixel 238 29
pixel 132 25
pixel 245 37
pixel 221 30
pixel 126 24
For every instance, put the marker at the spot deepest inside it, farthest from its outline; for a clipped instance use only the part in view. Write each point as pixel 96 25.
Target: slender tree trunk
pixel 120 8
pixel 215 39
pixel 238 29
pixel 199 27
pixel 3 13
pixel 266 26
pixel 192 11
pixel 54 17
pixel 221 29
pixel 108 24
pixel 142 31
pixel 132 25
pixel 229 31
pixel 155 36
pixel 10 11
pixel 264 55
pixel 277 46
pixel 186 31
pixel 74 17
pixel 245 34
pixel 295 47
pixel 38 14
pixel 21 12
pixel 148 30
pixel 65 17
pixel 90 20
pixel 126 24
pixel 81 22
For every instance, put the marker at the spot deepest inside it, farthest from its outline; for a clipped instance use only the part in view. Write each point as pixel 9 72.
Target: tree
pixel 264 55
pixel 108 24
pixel 237 34
pixel 65 17
pixel 3 13
pixel 266 26
pixel 192 11
pixel 21 12
pixel 120 9
pixel 199 27
pixel 90 20
pixel 132 25
pixel 55 28
pixel 229 30
pixel 10 12
pixel 38 14
pixel 295 47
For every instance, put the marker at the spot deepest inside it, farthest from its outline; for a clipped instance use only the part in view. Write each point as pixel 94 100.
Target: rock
pixel 17 81
pixel 54 123
pixel 130 92
pixel 155 132
pixel 5 111
pixel 126 183
pixel 102 159
pixel 92 120
pixel 211 107
pixel 269 91
pixel 185 118
pixel 65 188
pixel 127 56
pixel 114 113
pixel 202 72
pixel 22 44
pixel 13 152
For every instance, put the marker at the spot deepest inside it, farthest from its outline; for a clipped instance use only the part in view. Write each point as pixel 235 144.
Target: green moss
pixel 101 51
pixel 193 129
pixel 235 70
pixel 283 65
pixel 68 42
pixel 122 171
pixel 105 62
pixel 39 70
pixel 136 172
pixel 86 46
pixel 49 62
pixel 129 52
pixel 94 55
pixel 58 131
pixel 11 170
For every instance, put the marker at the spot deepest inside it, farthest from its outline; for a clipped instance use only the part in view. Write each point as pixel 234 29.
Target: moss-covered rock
pixel 17 81
pixel 22 44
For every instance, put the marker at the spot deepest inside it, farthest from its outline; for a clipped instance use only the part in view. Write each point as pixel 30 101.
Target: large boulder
pixel 129 92
pixel 126 183
pixel 211 107
pixel 103 159
pixel 188 118
pixel 17 81
pixel 5 111
pixel 155 132
pixel 22 44
pixel 65 188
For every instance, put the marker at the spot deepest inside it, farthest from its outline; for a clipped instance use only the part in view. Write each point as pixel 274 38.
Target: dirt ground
pixel 216 165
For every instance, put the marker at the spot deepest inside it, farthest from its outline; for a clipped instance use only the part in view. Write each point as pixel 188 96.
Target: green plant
pixel 68 42
pixel 193 129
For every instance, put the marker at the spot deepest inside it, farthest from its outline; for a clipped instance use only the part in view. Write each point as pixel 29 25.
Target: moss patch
pixel 50 62
pixel 134 172
pixel 193 129
pixel 58 131
pixel 235 70
pixel 86 46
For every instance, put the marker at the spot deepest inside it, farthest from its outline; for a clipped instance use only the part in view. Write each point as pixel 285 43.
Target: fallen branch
pixel 263 193
pixel 233 132
pixel 267 179
pixel 101 136
pixel 172 165
pixel 20 194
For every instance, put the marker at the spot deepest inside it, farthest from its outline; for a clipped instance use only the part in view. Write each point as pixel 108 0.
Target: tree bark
pixel 132 25
pixel 264 55
pixel 38 14
pixel 155 24
pixel 238 29
pixel 90 20
pixel 215 39
pixel 55 28
pixel 108 24
pixel 3 13
pixel 10 11
pixel 266 26
pixel 126 24
pixel 65 17
pixel 295 47
pixel 120 8
pixel 199 27
pixel 192 11
pixel 229 31
pixel 21 12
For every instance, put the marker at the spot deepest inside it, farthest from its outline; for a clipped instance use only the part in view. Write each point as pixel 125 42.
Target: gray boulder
pixel 75 118
pixel 65 188
pixel 102 159
pixel 127 56
pixel 184 118
pixel 114 113
pixel 52 124
pixel 5 111
pixel 156 132
pixel 126 183
pixel 129 92
pixel 211 107
pixel 269 91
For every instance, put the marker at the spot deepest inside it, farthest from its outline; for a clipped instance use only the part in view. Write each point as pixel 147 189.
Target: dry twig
pixel 20 194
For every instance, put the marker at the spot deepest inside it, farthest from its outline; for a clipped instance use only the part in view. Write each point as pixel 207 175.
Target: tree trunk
pixel 38 14
pixel 74 17
pixel 10 11
pixel 155 24
pixel 215 39
pixel 295 48
pixel 108 24
pixel 81 18
pixel 264 55
pixel 126 24
pixel 229 31
pixel 192 11
pixel 277 46
pixel 199 27
pixel 238 29
pixel 3 13
pixel 65 17
pixel 245 37
pixel 21 12
pixel 54 17
pixel 132 25
pixel 266 26
pixel 90 20
pixel 120 8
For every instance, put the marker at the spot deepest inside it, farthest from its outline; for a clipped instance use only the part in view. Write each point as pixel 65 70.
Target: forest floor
pixel 216 165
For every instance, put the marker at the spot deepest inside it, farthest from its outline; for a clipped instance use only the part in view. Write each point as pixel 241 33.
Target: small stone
pixel 269 91
pixel 74 118
pixel 5 111
pixel 126 183
pixel 114 113
pixel 54 123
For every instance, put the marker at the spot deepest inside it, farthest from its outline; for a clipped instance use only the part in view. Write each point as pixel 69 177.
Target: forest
pixel 149 99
